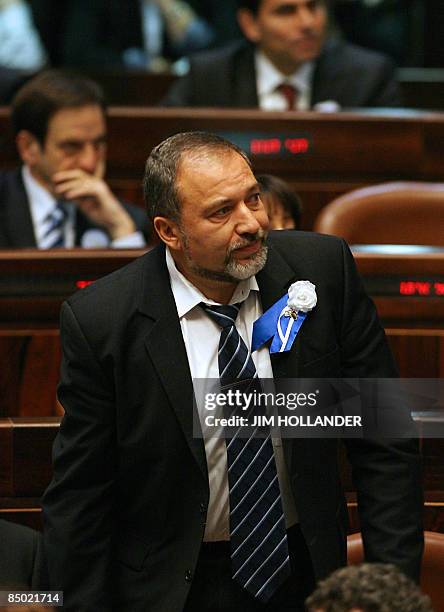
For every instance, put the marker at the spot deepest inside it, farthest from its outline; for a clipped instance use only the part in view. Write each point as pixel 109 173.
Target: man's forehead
pixel 215 176
pixel 77 119
pixel 208 162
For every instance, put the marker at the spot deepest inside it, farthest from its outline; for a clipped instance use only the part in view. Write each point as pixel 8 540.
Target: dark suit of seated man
pixel 59 197
pixel 22 564
pixel 142 513
pixel 287 46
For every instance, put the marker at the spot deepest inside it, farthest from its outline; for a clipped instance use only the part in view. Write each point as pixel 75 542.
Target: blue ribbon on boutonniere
pixel 284 319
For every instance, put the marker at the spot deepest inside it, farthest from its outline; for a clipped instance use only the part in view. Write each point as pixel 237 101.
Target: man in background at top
pixel 288 62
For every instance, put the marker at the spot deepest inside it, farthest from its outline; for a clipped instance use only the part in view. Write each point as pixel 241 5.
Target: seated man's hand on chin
pixel 94 198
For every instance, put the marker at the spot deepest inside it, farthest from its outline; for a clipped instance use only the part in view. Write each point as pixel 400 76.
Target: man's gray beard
pixel 234 271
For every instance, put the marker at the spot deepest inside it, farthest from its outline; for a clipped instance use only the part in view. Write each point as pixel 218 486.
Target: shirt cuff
pixel 135 240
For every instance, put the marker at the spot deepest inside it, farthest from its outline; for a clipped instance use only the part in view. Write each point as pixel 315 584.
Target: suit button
pixel 203 508
pixel 188 575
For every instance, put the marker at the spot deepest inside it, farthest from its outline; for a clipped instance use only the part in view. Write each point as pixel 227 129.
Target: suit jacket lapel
pixel 19 221
pixel 273 282
pixel 327 76
pixel 166 348
pixel 245 90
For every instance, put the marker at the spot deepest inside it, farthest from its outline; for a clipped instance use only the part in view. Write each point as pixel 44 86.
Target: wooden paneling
pixel 29 373
pixel 25 459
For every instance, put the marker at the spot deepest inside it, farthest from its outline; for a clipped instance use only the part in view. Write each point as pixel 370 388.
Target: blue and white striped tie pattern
pixel 54 235
pixel 259 547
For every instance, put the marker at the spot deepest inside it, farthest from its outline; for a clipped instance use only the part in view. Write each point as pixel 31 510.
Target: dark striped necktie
pixel 259 548
pixel 54 233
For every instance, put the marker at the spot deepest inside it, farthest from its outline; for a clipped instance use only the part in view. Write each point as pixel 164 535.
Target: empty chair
pixel 388 213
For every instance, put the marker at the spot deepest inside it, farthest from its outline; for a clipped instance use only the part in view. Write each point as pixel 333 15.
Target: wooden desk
pixel 414 323
pixel 345 151
pixel 25 467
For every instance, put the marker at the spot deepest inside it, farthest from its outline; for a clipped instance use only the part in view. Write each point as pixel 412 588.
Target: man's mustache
pixel 248 239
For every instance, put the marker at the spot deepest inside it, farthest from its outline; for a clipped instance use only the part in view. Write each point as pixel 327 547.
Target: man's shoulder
pixel 120 281
pixel 10 183
pixel 307 252
pixel 121 290
pixel 354 56
pixel 289 242
pixel 10 177
pixel 222 56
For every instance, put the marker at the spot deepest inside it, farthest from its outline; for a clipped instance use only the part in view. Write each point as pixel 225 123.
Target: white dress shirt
pixel 42 203
pixel 201 337
pixel 268 78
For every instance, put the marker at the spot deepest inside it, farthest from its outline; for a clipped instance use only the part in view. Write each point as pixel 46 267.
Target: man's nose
pixel 88 158
pixel 248 221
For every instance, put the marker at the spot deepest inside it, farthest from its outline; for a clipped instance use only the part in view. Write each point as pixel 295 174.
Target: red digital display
pixel 421 288
pixel 276 146
pixel 265 146
pixel 296 145
pixel 81 284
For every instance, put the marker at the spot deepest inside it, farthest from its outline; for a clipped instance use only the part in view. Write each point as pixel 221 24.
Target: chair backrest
pixel 432 571
pixel 388 213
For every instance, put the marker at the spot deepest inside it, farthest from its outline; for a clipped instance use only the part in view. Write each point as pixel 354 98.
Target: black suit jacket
pixel 125 512
pixel 22 564
pixel 16 229
pixel 350 75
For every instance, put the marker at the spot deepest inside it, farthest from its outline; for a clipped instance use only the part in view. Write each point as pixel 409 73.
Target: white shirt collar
pixel 268 77
pixel 187 296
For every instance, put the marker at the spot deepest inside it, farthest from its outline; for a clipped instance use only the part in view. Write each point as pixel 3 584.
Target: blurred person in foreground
pixel 287 62
pixel 59 198
pixel 283 205
pixel 368 587
pixel 145 511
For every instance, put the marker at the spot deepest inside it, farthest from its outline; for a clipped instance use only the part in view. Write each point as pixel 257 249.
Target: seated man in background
pixel 283 206
pixel 22 564
pixel 59 198
pixel 369 587
pixel 289 63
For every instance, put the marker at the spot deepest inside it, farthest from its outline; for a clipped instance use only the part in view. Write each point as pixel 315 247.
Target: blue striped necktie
pixel 259 547
pixel 54 233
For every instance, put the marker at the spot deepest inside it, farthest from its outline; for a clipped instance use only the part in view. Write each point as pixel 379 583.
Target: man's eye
pixel 70 148
pixel 285 9
pixel 254 198
pixel 222 211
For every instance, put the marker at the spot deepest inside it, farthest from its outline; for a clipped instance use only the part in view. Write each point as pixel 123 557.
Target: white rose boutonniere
pixel 302 296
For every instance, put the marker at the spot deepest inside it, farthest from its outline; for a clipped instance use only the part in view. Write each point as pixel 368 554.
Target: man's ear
pixel 29 147
pixel 168 232
pixel 248 24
